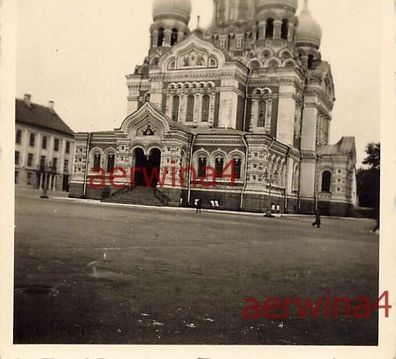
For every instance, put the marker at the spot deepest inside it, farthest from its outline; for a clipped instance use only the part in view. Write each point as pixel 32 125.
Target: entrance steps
pixel 147 196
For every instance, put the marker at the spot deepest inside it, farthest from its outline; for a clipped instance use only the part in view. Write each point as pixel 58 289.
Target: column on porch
pixel 169 105
pixel 183 108
pixel 197 107
pixel 268 116
pixel 253 114
pixel 54 182
pixel 40 184
pixel 212 99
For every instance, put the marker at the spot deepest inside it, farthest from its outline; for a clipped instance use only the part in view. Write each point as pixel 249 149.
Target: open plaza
pixel 90 272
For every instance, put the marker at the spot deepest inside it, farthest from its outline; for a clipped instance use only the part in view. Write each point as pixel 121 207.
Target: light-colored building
pixel 252 88
pixel 44 146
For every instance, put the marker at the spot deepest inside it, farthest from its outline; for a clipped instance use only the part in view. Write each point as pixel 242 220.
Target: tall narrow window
pixel 175 108
pixel 257 30
pixel 201 167
pixel 269 29
pixel 30 160
pixel 110 162
pixel 55 164
pixel 66 166
pixel 18 137
pixel 42 163
pixel 219 164
pixel 310 62
pixel 67 149
pixel 190 108
pixel 56 144
pixel 96 160
pixel 17 158
pixel 285 29
pixel 237 168
pixel 326 181
pixel 161 36
pixel 205 108
pixel 44 143
pixel 174 37
pixel 32 139
pixel 261 114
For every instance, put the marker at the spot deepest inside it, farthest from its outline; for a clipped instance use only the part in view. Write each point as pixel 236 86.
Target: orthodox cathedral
pixel 250 94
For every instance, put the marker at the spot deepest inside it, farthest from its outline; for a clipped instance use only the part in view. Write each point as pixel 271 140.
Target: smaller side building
pixel 44 146
pixel 336 177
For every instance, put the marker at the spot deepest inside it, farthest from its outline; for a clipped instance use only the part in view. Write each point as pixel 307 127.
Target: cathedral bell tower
pixel 229 12
pixel 170 24
pixel 276 20
pixel 231 23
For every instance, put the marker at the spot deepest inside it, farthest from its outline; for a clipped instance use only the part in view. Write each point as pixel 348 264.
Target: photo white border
pixel 387 343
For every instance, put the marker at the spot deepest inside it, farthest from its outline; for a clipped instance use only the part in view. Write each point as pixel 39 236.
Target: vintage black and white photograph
pixel 192 172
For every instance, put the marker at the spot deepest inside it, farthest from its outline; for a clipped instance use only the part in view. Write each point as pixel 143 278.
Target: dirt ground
pixel 93 274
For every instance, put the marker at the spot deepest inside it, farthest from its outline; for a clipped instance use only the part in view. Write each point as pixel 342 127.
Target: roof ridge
pixel 40 116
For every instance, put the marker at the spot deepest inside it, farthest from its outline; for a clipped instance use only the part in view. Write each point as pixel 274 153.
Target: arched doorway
pixel 147 168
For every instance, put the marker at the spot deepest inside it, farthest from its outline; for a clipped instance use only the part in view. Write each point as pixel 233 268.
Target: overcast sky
pixel 77 53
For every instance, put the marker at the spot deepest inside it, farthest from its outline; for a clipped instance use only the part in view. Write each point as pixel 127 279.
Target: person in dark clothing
pixel 198 205
pixel 317 219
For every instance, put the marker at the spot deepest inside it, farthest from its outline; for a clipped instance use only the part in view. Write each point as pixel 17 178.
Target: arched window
pixel 205 108
pixel 161 36
pixel 110 162
pixel 202 161
pixel 219 164
pixel 257 30
pixel 310 62
pixel 96 162
pixel 174 37
pixel 326 181
pixel 261 114
pixel 269 29
pixel 236 162
pixel 175 108
pixel 190 108
pixel 285 29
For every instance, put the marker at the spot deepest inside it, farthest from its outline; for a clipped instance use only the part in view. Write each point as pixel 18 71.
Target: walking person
pixel 198 205
pixel 317 219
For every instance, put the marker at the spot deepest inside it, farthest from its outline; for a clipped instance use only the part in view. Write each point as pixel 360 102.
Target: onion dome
pixel 178 9
pixel 290 4
pixel 308 32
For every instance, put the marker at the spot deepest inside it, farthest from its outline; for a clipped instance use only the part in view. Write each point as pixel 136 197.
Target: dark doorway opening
pixel 147 168
pixel 65 183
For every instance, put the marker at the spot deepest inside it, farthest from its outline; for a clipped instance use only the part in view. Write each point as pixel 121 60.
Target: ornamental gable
pixel 192 53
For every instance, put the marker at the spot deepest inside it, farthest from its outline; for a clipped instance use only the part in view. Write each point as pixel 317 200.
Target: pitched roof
pixel 344 146
pixel 40 116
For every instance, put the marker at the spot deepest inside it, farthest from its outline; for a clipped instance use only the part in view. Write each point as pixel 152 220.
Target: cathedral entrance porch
pixel 147 167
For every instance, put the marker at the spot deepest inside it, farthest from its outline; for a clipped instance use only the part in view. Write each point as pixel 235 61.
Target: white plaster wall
pixel 308 135
pixel 24 148
pixel 132 106
pixel 308 179
pixel 228 109
pixel 286 116
pixel 289 176
pixel 156 94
